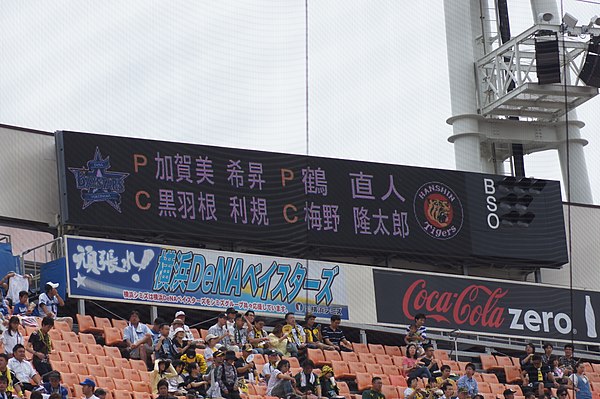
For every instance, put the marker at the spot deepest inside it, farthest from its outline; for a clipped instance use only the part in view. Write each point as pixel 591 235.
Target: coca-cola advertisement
pixel 486 306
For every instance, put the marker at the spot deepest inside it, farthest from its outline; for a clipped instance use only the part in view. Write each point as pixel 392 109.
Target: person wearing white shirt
pixel 88 386
pixel 23 370
pixel 138 338
pixel 11 336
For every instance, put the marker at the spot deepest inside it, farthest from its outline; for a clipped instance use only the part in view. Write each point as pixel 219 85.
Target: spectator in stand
pixel 525 359
pixel 334 336
pixel 429 360
pixel 271 365
pixel 228 378
pixel 279 341
pixel 190 356
pixel 448 391
pixel 180 346
pixel 214 391
pixel 231 313
pixel 4 394
pixel 88 386
pixel 14 385
pixel 258 337
pixel 314 338
pixel 53 385
pixel 547 357
pixel 246 368
pixel 23 307
pixel 194 383
pixel 307 383
pixel 40 346
pixel 559 374
pixel 240 334
pixel 211 348
pixel 445 377
pixel 155 329
pixel 509 394
pixel 329 387
pixel 188 332
pixel 417 333
pixel 412 366
pixel 100 393
pixel 138 338
pixel 413 391
pixel 163 347
pixel 49 301
pixel 11 336
pixel 375 391
pixel 467 381
pixel 580 383
pixel 163 369
pixel 176 383
pixel 568 361
pixel 23 370
pixel 249 317
pixel 220 330
pixel 561 393
pixel 163 390
pixel 296 336
pixel 537 376
pixel 280 383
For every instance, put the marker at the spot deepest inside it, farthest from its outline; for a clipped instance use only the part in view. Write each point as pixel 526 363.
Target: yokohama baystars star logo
pixel 438 210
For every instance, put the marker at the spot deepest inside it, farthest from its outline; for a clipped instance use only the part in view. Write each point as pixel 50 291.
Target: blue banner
pixel 160 275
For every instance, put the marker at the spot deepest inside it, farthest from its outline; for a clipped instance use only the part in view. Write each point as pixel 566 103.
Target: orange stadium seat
pixel 356 367
pixel 69 378
pixel 317 356
pixel 203 333
pixel 79 368
pixel 488 395
pixel 360 348
pixel 121 394
pixel 142 386
pixel 516 388
pixel 87 339
pixel 497 388
pixel 139 365
pixel 367 358
pixel 61 325
pixel 332 355
pixel 489 377
pixel 196 334
pixel 344 389
pixel 142 395
pixel 61 366
pixel 484 387
pixel 102 322
pixel 400 391
pixel 105 360
pixel 488 362
pixel 114 372
pixel 392 350
pixel 121 383
pixel 376 349
pixel 398 381
pixel 513 374
pixel 398 360
pixel 61 346
pixel 341 370
pixel 120 324
pixel 88 359
pixel 54 357
pixel 112 352
pixel 78 347
pixel 349 357
pixel 95 349
pixel 390 392
pixel 96 370
pixel 391 369
pixel 363 381
pixel 131 375
pixel 105 382
pixel 441 354
pixel 69 357
pixel 70 337
pixel 87 325
pixel 478 377
pixel 374 368
pixel 113 336
pixel 504 361
pixel 384 359
pixel 55 335
pixel 78 391
pixel 121 363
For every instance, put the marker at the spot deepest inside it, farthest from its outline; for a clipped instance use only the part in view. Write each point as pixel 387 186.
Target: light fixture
pixel 569 21
pixel 545 17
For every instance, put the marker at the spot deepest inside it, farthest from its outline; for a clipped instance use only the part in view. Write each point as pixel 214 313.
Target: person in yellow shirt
pixel 190 356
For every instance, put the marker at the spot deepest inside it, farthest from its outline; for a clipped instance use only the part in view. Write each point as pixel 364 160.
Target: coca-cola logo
pixel 476 305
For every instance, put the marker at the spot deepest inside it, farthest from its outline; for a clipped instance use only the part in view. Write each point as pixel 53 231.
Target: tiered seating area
pixel 78 356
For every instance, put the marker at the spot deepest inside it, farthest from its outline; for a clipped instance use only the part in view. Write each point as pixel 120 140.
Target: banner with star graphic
pixel 189 277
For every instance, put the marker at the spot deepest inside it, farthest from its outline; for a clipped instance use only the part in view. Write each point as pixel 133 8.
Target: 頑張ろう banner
pixel 186 277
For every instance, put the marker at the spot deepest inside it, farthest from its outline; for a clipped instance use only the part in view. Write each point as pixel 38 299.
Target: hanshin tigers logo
pixel 438 210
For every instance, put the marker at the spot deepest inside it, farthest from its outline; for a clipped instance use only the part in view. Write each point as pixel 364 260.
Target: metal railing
pixel 5 238
pixel 32 259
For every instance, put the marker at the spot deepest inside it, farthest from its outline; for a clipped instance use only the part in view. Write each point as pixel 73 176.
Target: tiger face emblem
pixel 438 210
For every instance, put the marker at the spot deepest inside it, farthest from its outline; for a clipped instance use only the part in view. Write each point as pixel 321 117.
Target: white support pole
pixel 464 43
pixel 572 163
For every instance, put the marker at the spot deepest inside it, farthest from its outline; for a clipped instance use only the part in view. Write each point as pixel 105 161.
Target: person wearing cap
pixel 162 369
pixel 53 385
pixel 163 348
pixel 14 386
pixel 23 370
pixel 329 387
pixel 509 394
pixel 88 386
pixel 210 349
pixel 258 337
pixel 214 389
pixel 180 346
pixel 227 377
pixel 246 369
pixel 271 365
pixel 138 338
pixel 188 333
pixel 49 301
pixel 190 356
pixel 219 329
pixel 40 346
